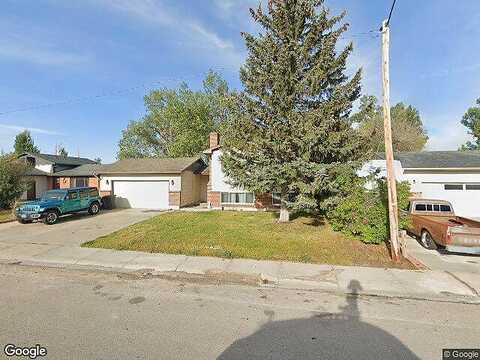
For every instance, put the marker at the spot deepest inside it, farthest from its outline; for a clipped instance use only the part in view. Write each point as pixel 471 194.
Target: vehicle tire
pixel 94 208
pixel 51 217
pixel 427 241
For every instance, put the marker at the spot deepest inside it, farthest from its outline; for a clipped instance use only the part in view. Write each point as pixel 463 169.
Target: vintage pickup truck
pixel 435 224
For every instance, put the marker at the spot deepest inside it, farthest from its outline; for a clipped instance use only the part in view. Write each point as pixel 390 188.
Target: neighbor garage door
pixel 141 194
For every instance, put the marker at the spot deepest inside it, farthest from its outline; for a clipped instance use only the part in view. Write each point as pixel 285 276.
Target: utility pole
pixel 387 125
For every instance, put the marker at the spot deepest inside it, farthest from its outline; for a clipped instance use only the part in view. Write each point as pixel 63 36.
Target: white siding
pixel 45 168
pixel 431 184
pixel 218 179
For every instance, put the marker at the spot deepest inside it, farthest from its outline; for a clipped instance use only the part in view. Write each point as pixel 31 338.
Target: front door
pixel 31 190
pixel 72 202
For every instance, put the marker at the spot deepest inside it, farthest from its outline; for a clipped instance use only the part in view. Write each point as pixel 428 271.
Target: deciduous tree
pixel 471 120
pixel 12 181
pixel 408 133
pixel 178 121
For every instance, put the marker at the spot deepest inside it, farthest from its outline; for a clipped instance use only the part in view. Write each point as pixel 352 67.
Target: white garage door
pixel 141 194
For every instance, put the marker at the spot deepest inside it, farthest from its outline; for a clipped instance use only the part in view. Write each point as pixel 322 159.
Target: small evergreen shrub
pixel 363 213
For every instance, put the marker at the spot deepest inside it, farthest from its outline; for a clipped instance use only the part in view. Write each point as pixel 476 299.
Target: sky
pixel 75 73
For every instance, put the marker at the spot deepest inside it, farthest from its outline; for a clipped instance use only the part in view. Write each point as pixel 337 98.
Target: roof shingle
pixel 82 170
pixel 437 159
pixel 149 166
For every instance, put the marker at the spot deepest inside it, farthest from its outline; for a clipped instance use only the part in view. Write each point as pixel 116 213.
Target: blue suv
pixel 56 203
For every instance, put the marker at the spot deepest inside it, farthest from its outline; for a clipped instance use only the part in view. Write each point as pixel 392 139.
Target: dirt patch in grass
pixel 253 235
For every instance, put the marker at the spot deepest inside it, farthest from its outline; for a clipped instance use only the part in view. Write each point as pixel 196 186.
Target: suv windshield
pixel 54 195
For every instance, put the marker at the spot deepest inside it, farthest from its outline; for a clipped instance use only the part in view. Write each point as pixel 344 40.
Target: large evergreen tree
pixel 24 143
pixel 293 134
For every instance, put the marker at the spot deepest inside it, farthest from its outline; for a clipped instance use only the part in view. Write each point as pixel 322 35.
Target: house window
pixel 81 182
pixel 237 198
pixel 472 187
pixel 453 186
pixel 276 199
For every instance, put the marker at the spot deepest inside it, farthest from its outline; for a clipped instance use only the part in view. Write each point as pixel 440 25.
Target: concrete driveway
pixel 72 230
pixel 444 261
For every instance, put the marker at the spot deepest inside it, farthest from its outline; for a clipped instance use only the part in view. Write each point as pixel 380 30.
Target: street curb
pixel 263 280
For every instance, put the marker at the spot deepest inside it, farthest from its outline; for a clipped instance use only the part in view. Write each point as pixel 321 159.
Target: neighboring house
pixel 155 183
pixel 80 176
pixel 220 194
pixel 445 175
pixel 48 172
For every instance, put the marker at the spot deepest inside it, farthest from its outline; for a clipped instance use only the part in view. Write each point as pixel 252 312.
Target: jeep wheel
pixel 51 217
pixel 94 208
pixel 427 241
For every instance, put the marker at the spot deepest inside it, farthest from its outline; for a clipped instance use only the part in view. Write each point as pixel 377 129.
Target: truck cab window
pixel 420 207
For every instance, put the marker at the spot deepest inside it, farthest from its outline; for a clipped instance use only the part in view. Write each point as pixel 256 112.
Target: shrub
pixel 363 213
pixel 12 181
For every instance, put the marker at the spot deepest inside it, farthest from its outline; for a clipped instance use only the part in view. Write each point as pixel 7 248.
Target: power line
pixel 120 92
pixel 391 11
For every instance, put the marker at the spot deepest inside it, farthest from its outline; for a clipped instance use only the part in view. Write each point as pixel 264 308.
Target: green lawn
pixel 6 215
pixel 251 235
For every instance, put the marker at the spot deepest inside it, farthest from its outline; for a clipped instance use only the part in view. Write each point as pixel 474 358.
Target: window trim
pixel 86 178
pixel 236 203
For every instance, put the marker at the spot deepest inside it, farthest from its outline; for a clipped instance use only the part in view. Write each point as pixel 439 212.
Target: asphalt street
pixel 81 314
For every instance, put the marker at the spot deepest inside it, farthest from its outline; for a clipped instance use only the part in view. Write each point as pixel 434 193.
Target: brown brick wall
pixel 174 198
pixel 263 201
pixel 64 183
pixel 214 198
pixel 94 182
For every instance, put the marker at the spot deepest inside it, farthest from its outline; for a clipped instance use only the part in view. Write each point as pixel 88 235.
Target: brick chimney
pixel 214 139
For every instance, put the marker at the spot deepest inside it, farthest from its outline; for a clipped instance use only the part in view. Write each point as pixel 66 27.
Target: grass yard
pixel 232 234
pixel 6 216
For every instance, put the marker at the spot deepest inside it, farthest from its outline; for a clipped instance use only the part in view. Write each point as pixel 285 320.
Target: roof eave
pixel 443 168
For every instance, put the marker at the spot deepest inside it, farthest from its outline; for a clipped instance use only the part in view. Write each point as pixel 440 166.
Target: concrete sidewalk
pixel 432 285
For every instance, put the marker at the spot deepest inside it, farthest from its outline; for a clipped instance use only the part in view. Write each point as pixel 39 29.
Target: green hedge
pixel 363 213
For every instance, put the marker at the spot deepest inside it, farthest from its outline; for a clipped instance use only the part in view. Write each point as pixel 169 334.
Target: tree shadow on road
pixel 323 336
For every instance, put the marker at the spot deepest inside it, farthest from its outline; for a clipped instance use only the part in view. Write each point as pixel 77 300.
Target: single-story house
pixel 445 175
pixel 157 183
pixel 51 172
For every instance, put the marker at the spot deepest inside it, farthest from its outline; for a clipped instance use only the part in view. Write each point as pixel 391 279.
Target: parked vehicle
pixel 56 203
pixel 435 224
